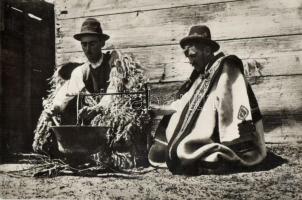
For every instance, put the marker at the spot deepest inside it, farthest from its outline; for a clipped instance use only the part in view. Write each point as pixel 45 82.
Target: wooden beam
pixel 84 8
pixel 280 95
pixel 277 128
pixel 229 20
pixel 2 142
pixel 279 98
pixel 283 128
pixel 262 57
pixel 28 62
pixel 1 16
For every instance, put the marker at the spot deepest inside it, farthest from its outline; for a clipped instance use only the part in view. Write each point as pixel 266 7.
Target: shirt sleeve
pixel 76 82
pixel 71 87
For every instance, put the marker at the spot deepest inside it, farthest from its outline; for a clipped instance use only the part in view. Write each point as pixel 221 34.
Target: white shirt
pixel 76 84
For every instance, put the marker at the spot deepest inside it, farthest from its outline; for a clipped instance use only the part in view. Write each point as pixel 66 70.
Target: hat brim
pixel 215 46
pixel 78 36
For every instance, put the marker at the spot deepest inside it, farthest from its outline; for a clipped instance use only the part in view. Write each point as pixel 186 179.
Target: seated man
pixel 216 120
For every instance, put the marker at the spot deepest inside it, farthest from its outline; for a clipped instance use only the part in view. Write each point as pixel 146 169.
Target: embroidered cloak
pixel 217 120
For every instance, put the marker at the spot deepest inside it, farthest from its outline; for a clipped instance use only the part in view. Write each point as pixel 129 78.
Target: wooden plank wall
pixel 266 34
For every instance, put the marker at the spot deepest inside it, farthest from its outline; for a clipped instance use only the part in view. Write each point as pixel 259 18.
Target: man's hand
pixel 87 113
pixel 161 109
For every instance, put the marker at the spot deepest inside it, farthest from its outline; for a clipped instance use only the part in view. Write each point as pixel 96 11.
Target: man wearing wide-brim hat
pixel 93 75
pixel 122 145
pixel 216 120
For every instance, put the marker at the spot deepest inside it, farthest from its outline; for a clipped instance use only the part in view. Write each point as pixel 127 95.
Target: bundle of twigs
pixel 44 166
pixel 42 140
pixel 126 116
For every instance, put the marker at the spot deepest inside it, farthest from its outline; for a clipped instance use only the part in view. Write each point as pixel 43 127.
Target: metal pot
pixel 84 140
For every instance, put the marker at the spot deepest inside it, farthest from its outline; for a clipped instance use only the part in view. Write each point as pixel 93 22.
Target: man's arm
pixel 162 109
pixel 70 88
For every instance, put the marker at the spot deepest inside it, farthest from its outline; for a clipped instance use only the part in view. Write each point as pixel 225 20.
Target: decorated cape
pixel 217 121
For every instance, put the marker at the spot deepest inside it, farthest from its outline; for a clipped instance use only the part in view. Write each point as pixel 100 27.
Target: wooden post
pixel 27 78
pixel 1 16
pixel 2 145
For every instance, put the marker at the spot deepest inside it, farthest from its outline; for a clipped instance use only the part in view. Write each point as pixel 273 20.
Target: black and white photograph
pixel 151 99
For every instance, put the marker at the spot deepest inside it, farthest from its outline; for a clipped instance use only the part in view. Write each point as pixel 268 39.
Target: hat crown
pixel 200 31
pixel 199 34
pixel 91 25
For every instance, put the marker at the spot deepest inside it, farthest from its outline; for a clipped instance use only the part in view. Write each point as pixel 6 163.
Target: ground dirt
pixel 279 178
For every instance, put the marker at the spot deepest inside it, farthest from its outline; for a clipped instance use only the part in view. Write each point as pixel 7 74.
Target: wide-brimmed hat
pixel 199 34
pixel 91 26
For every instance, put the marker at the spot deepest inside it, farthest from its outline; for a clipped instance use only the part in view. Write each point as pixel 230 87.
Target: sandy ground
pixel 279 178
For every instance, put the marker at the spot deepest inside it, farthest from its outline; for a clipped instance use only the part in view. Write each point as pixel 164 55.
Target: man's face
pixel 198 55
pixel 92 46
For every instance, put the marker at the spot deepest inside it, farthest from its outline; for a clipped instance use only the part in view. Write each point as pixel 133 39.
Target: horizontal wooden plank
pixel 280 95
pixel 262 57
pixel 231 20
pixel 277 128
pixel 83 8
pixel 283 128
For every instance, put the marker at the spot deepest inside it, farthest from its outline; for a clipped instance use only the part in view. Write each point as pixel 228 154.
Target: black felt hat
pixel 200 34
pixel 91 26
